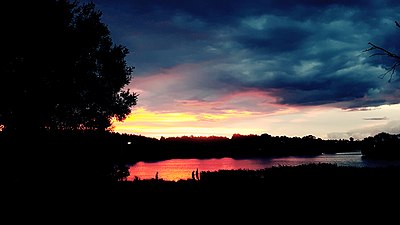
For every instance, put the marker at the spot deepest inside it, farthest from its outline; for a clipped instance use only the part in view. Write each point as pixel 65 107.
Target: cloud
pixel 376 118
pixel 183 89
pixel 391 127
pixel 297 53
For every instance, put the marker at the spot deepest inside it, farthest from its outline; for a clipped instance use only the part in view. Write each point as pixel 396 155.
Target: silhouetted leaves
pixel 60 69
pixel 63 81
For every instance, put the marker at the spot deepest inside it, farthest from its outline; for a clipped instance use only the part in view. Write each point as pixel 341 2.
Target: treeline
pixel 238 146
pixel 382 146
pixel 91 155
pixel 138 148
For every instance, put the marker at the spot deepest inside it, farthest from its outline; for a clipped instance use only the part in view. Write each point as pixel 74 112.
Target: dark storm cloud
pixel 277 39
pixel 306 52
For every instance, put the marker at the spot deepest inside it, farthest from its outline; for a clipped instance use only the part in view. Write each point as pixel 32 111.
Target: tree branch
pixel 386 52
pixel 383 52
pixel 390 71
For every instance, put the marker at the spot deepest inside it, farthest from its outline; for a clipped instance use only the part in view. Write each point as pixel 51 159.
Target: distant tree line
pixel 238 146
pixel 90 155
pixel 137 148
pixel 382 146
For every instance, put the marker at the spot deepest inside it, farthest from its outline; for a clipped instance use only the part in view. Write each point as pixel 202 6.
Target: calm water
pixel 176 169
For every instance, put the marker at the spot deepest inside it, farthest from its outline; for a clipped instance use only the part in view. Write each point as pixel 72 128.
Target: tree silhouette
pixel 380 51
pixel 60 69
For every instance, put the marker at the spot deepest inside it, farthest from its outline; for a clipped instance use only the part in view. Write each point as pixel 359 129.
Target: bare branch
pixel 386 52
pixel 391 70
pixel 379 51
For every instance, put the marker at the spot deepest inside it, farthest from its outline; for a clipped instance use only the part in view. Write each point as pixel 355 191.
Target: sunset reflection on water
pixel 176 169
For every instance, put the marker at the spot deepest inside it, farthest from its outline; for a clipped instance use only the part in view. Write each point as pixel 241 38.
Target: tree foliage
pixel 60 69
pixel 380 51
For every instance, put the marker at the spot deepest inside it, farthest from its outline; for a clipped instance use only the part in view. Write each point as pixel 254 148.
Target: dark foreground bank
pixel 316 187
pixel 283 180
pixel 307 179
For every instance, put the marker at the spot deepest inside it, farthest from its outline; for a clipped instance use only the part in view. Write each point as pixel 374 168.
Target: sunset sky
pixel 282 67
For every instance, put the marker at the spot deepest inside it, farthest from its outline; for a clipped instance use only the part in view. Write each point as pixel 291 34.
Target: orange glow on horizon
pixel 322 121
pixel 167 124
pixel 143 115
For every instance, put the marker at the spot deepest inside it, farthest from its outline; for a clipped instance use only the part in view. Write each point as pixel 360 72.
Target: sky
pixel 282 67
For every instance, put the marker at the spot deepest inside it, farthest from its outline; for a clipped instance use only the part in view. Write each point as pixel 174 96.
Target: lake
pixel 176 169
